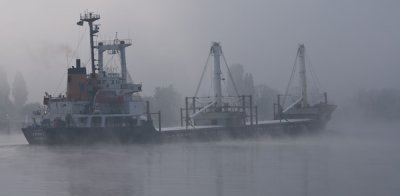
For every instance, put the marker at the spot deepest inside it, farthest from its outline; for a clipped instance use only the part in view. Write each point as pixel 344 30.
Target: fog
pixel 352 44
pixel 349 158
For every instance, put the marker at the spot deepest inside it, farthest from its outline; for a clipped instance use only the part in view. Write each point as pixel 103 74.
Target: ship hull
pixel 74 135
pixel 256 131
pixel 147 134
pixel 321 114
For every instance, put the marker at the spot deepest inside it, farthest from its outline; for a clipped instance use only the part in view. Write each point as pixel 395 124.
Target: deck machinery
pixel 301 108
pixel 229 111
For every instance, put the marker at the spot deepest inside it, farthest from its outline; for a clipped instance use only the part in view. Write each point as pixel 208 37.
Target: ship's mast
pixel 90 17
pixel 115 46
pixel 216 51
pixel 302 72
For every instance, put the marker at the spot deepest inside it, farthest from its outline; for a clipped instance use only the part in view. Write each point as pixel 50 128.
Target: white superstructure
pixel 98 99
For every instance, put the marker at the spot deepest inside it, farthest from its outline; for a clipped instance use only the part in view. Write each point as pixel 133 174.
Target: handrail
pixel 114 42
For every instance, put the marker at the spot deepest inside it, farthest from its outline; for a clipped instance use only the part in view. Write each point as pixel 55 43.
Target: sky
pixel 353 44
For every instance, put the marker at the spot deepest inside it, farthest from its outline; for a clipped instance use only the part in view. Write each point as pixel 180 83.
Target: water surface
pixel 345 160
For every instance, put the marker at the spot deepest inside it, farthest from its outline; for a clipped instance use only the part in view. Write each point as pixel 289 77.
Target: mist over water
pixel 347 159
pixel 354 47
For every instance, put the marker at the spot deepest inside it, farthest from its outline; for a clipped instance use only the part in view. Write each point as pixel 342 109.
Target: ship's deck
pixel 264 122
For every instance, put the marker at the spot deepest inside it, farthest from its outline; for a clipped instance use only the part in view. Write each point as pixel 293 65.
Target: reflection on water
pixel 352 162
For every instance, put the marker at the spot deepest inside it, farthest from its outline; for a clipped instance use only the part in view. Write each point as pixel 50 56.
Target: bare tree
pixel 264 98
pixel 5 102
pixel 237 72
pixel 19 90
pixel 168 101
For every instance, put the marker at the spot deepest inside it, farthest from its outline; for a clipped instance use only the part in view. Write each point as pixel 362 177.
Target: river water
pixel 354 160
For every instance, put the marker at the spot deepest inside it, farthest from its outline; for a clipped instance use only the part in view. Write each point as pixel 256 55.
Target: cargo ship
pixel 105 106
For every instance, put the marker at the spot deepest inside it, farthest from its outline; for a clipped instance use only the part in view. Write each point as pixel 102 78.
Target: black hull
pixel 73 135
pixel 147 134
pixel 320 118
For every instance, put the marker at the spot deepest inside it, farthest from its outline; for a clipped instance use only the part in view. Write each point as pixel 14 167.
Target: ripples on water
pixel 352 161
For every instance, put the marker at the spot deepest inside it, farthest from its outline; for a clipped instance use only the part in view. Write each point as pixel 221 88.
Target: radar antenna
pixel 90 17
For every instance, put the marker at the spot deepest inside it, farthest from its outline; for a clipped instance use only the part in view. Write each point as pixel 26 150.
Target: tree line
pixel 13 98
pixel 263 96
pixel 374 104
